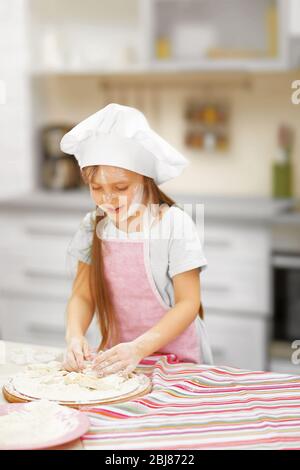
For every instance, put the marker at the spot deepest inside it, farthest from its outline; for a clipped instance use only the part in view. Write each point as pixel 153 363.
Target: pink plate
pixel 81 428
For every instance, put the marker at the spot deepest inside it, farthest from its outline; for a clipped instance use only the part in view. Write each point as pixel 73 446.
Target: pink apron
pixel 136 299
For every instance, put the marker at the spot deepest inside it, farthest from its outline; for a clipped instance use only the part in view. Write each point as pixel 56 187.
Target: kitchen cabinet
pixel 37 319
pixel 69 37
pixel 236 292
pixel 158 35
pixel 239 273
pixel 36 276
pixel 238 339
pixel 294 33
pixel 238 35
pixel 32 320
pixel 33 252
pixel 294 18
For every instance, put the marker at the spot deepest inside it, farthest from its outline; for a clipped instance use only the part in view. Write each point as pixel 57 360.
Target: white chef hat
pixel 120 136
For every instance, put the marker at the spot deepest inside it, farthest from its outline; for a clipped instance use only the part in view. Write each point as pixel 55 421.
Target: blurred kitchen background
pixel 218 80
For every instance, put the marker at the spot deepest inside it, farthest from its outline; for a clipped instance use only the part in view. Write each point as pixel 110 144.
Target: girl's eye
pixel 119 189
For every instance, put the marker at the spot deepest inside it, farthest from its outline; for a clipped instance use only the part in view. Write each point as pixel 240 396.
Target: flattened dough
pixel 50 381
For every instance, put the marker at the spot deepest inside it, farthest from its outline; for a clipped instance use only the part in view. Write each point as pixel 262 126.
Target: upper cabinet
pixel 294 34
pixel 70 36
pixel 209 34
pixel 294 23
pixel 113 36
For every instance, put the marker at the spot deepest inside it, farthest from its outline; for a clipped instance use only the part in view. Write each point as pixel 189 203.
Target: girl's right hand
pixel 77 351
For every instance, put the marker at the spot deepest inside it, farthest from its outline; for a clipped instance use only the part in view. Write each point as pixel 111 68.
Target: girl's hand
pixel 122 357
pixel 77 351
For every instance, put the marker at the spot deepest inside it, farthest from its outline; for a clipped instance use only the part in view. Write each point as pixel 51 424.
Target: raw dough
pixel 27 426
pixel 50 381
pixel 28 355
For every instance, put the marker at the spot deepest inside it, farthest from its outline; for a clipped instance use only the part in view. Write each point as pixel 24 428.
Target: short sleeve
pixel 81 244
pixel 185 247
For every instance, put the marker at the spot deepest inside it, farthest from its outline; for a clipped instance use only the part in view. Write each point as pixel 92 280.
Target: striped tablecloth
pixel 196 406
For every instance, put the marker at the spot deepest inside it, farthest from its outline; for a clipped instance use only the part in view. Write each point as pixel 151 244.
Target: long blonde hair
pixel 104 309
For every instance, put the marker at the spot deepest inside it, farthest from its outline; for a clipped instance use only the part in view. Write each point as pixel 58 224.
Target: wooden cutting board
pixel 14 396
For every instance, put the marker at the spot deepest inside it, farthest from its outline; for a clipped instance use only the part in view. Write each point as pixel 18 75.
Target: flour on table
pixel 52 382
pixel 27 426
pixel 26 355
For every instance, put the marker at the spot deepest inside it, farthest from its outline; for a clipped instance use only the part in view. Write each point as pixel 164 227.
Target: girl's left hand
pixel 122 357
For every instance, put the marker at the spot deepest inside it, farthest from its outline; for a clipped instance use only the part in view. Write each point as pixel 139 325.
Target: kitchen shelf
pixel 146 21
pixel 241 25
pixel 157 67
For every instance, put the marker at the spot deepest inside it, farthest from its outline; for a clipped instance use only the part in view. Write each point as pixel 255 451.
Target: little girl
pixel 139 254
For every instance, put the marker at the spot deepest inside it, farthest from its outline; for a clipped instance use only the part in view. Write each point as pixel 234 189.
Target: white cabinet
pixel 294 18
pixel 237 340
pixel 33 320
pixel 236 292
pixel 33 250
pixel 238 276
pixel 294 33
pixel 68 36
pixel 236 34
pixel 115 36
pixel 37 321
pixel 36 277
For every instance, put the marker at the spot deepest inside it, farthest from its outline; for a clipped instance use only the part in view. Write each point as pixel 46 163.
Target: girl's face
pixel 113 189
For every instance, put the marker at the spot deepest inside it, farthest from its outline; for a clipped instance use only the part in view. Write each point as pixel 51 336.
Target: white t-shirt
pixel 174 247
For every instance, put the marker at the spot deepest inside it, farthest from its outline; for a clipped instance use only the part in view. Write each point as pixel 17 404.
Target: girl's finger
pixel 78 358
pixel 67 362
pixel 86 351
pixel 111 369
pixel 70 363
pixel 75 363
pixel 79 361
pixel 128 370
pixel 107 363
pixel 107 356
pixel 95 350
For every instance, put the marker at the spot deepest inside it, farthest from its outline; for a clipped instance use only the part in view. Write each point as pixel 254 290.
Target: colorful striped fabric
pixel 194 406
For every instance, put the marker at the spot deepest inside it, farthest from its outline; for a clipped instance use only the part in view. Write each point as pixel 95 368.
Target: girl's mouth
pixel 115 210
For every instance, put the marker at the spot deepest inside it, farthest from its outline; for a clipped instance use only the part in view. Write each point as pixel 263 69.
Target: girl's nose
pixel 109 197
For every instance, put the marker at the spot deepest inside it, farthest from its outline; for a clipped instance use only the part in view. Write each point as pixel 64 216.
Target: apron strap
pixel 148 219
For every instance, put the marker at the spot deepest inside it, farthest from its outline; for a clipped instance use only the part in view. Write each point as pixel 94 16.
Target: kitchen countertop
pixel 8 367
pixel 220 207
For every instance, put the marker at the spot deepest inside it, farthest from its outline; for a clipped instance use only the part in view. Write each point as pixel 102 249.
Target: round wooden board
pixel 13 396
